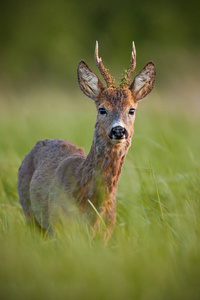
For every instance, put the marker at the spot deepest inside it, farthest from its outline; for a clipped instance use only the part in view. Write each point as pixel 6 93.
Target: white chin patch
pixel 118 141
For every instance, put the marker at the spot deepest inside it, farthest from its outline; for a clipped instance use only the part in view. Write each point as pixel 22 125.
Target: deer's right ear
pixel 144 82
pixel 89 83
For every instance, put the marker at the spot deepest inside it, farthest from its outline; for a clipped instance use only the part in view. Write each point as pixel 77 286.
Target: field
pixel 154 252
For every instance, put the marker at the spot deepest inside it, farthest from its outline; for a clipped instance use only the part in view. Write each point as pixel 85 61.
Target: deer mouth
pixel 118 141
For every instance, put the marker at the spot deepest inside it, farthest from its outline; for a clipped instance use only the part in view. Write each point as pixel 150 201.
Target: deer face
pixel 116 106
pixel 116 114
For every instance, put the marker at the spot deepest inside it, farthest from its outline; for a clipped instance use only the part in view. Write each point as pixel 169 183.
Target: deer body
pixel 56 173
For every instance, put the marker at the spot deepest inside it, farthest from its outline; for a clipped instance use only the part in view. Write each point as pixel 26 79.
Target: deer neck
pixel 102 168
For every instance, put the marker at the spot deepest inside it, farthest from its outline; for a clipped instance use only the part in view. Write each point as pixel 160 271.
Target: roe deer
pixel 56 172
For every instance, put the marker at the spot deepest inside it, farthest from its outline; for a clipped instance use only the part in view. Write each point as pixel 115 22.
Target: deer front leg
pixel 105 222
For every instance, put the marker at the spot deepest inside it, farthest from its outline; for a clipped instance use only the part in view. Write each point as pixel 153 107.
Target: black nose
pixel 118 132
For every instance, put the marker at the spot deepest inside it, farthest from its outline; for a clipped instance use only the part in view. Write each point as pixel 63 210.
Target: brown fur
pixel 56 174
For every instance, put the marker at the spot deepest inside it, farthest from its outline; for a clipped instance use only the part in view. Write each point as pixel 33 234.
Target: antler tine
pixel 126 77
pixel 104 72
pixel 97 59
pixel 133 60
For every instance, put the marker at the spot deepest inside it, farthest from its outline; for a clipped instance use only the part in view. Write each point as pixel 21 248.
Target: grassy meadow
pixel 154 252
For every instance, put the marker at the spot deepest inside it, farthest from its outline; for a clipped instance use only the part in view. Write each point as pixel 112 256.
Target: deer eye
pixel 102 111
pixel 132 111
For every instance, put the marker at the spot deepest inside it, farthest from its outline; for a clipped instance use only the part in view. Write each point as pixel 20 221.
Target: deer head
pixel 116 106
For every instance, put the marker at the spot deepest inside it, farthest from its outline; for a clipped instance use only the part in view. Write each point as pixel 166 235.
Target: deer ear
pixel 143 82
pixel 89 83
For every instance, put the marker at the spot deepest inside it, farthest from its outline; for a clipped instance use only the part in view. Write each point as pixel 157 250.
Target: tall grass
pixel 154 252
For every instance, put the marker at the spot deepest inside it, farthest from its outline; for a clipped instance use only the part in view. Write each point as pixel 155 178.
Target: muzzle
pixel 118 133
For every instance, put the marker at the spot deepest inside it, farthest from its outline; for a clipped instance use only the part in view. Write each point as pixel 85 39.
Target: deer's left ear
pixel 143 82
pixel 89 83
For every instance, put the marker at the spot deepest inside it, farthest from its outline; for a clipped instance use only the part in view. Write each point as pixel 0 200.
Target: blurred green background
pixel 41 42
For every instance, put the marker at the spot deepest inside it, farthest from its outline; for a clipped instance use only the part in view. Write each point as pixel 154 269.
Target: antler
pixel 125 82
pixel 104 72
